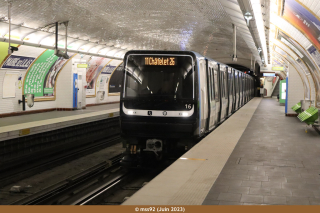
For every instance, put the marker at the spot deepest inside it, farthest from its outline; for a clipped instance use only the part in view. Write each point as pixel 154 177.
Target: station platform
pixel 256 157
pixel 16 126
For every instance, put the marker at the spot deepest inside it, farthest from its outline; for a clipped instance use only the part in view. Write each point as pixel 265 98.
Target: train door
pixel 244 89
pixel 203 89
pixel 211 98
pixel 231 96
pixel 223 100
pixel 240 89
pixel 226 92
pixel 216 92
pixel 236 90
pixel 248 81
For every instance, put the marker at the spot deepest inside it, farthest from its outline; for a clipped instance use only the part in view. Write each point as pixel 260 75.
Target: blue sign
pixel 17 62
pixel 269 74
pixel 108 69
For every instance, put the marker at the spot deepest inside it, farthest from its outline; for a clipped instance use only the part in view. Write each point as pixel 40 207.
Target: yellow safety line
pixel 192 159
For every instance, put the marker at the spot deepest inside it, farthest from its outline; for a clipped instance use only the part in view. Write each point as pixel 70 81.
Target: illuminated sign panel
pixel 268 74
pixel 82 65
pixel 162 61
pixel 278 68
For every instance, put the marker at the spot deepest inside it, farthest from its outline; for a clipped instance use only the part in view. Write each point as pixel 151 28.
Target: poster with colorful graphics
pixel 115 82
pixel 41 77
pixel 96 64
pixel 303 20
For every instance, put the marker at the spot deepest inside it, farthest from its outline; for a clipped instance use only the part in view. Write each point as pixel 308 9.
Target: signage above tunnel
pixel 162 61
pixel 278 68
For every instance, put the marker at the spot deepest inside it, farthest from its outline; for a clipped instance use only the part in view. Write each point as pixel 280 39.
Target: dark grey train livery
pixel 171 99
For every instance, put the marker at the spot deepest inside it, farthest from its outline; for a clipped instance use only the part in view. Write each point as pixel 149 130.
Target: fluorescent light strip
pixel 256 7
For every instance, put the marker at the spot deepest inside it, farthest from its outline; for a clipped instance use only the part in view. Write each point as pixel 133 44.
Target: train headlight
pixel 184 114
pixel 130 112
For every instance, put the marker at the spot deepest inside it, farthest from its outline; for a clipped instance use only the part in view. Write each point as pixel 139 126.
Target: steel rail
pixel 52 194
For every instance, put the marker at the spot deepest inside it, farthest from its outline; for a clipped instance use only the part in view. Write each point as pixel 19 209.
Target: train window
pixel 230 84
pixel 212 86
pixel 226 83
pixel 236 83
pixel 209 82
pixel 222 84
pixel 216 86
pixel 159 81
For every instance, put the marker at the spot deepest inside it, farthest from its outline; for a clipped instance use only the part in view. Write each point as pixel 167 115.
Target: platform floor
pixel 19 126
pixel 7 121
pixel 274 162
pixel 256 157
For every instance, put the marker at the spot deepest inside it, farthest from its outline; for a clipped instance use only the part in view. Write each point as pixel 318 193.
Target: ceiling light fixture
pixel 248 17
pixel 256 7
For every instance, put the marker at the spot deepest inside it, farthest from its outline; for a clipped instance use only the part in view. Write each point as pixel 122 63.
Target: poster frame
pixel 95 84
pixel 39 99
pixel 117 93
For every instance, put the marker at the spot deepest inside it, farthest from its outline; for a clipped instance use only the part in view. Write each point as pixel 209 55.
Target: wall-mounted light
pixel 248 17
pixel 259 50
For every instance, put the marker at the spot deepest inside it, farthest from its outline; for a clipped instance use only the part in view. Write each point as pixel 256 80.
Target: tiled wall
pixel 295 89
pixel 64 88
pixel 9 105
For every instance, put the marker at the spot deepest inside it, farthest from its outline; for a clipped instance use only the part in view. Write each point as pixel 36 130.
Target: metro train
pixel 171 99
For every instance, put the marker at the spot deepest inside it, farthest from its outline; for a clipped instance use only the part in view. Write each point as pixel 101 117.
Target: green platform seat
pixel 309 116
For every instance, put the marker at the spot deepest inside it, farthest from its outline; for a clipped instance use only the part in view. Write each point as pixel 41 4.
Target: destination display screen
pixel 162 61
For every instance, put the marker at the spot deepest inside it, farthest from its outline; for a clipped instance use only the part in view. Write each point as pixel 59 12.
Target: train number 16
pixel 188 106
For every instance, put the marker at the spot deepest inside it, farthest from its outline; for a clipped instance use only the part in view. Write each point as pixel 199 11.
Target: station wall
pixel 63 84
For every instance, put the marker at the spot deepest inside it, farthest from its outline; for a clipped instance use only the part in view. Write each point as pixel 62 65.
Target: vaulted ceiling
pixel 204 26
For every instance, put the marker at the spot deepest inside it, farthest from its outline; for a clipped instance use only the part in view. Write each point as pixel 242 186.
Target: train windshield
pixel 159 77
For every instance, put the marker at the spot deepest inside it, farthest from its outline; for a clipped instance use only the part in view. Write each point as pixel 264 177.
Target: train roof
pixel 198 55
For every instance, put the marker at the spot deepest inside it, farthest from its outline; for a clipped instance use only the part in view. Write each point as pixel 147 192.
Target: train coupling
pixel 154 145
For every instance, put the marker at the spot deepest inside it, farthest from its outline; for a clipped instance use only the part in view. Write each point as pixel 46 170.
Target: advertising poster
pixel 303 20
pixel 40 80
pixel 17 62
pixel 102 83
pixel 115 82
pixel 96 64
pixel 108 69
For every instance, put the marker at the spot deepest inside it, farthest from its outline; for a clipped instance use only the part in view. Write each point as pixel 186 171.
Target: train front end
pixel 158 104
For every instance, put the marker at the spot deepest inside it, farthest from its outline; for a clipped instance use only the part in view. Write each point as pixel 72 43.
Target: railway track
pixel 20 172
pixel 104 184
pixel 79 186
